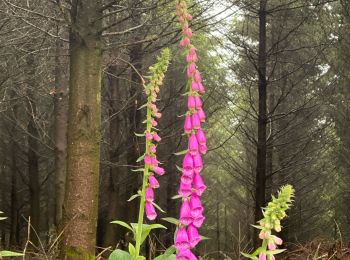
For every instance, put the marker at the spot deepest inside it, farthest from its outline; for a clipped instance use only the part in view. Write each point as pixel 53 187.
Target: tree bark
pixel 262 117
pixel 14 229
pixel 84 133
pixel 61 117
pixel 33 172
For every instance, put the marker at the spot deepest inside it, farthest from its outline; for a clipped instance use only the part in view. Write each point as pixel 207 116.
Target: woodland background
pixel 304 132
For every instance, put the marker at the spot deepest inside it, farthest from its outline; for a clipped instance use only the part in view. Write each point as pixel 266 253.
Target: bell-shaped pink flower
pixel 154 161
pixel 199 102
pixel 277 240
pixel 149 194
pixel 201 138
pixel 197 163
pixel 201 88
pixel 192 51
pixel 184 255
pixel 150 211
pixel 198 184
pixel 196 121
pixel 159 170
pixel 195 86
pixel 154 122
pixel 188 124
pixel 152 149
pixel 262 256
pixel 191 102
pixel 156 137
pixel 189 17
pixel 193 145
pixel 184 42
pixel 198 221
pixel 203 148
pixel 187 162
pixel 187 179
pixel 196 206
pixel 191 69
pixel 185 213
pixel 191 58
pixel 185 190
pixel 197 76
pixel 149 136
pixel 148 159
pixel 201 115
pixel 188 33
pixel 153 182
pixel 271 246
pixel 181 239
pixel 193 236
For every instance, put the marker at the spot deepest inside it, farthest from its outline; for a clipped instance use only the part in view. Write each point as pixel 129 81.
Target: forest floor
pixel 318 249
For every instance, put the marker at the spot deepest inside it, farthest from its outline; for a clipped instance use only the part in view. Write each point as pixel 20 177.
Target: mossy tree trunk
pixel 84 122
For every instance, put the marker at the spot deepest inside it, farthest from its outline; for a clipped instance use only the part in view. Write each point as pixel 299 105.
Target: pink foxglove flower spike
pixel 191 185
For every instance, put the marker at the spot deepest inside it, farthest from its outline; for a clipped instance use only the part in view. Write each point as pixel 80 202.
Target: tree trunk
pixel 33 172
pixel 14 229
pixel 84 133
pixel 114 233
pixel 61 115
pixel 261 146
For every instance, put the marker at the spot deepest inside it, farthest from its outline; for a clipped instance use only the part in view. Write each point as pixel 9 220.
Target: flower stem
pixel 144 186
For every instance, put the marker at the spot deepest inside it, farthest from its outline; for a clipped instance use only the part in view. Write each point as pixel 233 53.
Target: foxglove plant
pixel 151 167
pixel 273 214
pixel 191 184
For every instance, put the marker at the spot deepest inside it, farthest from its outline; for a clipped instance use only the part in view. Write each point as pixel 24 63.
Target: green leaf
pixel 158 207
pixel 122 223
pixel 132 249
pixel 176 197
pixel 257 227
pixel 133 197
pixel 138 170
pixel 140 135
pixel 140 158
pixel 204 238
pixel 179 168
pixel 120 255
pixel 167 255
pixel 172 221
pixel 275 252
pixel 141 258
pixel 144 105
pixel 181 152
pixel 9 253
pixel 2 218
pixel 250 256
pixel 147 229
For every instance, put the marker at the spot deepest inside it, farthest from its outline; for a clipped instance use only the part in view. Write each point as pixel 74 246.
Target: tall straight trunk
pixel 269 150
pixel 33 172
pixel 60 131
pixel 136 55
pixel 114 233
pixel 14 228
pixel 33 157
pixel 218 227
pixel 84 131
pixel 262 118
